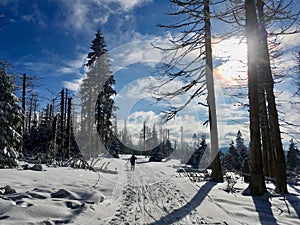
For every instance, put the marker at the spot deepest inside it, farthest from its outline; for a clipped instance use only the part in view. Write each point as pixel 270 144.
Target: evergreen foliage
pixel 240 146
pixel 236 156
pixel 104 110
pixel 10 120
pixel 293 157
pixel 197 157
pixel 96 94
pixel 162 151
pixel 37 140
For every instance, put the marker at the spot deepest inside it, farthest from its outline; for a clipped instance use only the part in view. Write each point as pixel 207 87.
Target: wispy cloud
pixel 73 85
pixel 82 15
pixel 127 5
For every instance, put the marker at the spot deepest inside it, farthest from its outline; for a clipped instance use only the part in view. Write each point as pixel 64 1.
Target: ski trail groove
pixel 148 200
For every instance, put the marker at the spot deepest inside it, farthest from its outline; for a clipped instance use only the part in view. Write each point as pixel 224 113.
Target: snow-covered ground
pixel 155 193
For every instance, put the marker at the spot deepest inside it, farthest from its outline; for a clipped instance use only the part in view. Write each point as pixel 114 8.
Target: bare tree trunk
pixel 30 112
pixel 66 107
pixel 68 134
pixel 216 165
pixel 273 115
pixel 257 180
pixel 90 117
pixel 54 136
pixel 62 127
pixel 62 110
pixel 23 103
pixel 23 110
pixel 267 146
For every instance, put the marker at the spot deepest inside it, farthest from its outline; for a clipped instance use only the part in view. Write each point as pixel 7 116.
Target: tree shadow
pixel 142 162
pixel 293 199
pixel 182 212
pixel 294 187
pixel 264 210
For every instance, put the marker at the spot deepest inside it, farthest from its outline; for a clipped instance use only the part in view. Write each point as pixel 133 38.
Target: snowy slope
pixel 152 194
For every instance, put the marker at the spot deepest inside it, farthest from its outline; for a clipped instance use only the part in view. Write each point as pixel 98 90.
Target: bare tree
pixel 268 84
pixel 257 181
pixel 264 20
pixel 191 51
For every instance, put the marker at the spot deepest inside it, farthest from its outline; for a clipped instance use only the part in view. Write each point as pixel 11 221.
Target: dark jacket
pixel 132 159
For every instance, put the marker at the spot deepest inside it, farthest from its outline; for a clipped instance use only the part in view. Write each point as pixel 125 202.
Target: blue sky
pixel 51 39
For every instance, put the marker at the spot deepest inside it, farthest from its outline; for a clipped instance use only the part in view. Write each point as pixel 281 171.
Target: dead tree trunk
pixel 62 123
pixel 68 132
pixel 273 114
pixel 257 180
pixel 216 164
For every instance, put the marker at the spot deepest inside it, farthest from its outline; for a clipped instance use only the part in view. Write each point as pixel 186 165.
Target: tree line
pixel 49 135
pixel 257 21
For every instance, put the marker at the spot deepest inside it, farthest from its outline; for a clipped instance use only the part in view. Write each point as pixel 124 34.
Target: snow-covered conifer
pixel 293 156
pixel 10 119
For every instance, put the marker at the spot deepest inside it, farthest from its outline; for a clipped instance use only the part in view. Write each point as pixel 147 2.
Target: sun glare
pixel 231 57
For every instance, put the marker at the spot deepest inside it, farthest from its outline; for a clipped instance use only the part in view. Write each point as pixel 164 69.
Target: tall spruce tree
pixel 293 157
pixel 241 148
pixel 197 160
pixel 234 157
pixel 104 110
pixel 96 93
pixel 10 119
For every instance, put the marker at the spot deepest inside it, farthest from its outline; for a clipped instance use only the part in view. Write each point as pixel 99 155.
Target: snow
pixel 155 193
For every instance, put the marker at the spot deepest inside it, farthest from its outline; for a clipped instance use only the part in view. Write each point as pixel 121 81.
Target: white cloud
pixel 130 4
pixel 189 122
pixel 76 68
pixel 72 85
pixel 101 20
pixel 76 14
pixel 65 69
pixel 138 51
pixel 83 15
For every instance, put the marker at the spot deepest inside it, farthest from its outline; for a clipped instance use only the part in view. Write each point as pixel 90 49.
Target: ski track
pixel 143 202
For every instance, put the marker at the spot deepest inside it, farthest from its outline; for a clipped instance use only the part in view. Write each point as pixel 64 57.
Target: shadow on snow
pixel 293 199
pixel 182 212
pixel 264 210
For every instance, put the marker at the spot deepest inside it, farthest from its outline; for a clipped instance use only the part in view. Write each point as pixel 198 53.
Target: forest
pixel 76 128
pixel 79 140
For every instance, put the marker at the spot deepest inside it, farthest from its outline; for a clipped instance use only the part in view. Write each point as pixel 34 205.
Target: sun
pixel 231 58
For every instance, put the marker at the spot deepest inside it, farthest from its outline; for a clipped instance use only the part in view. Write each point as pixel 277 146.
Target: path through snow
pixel 150 197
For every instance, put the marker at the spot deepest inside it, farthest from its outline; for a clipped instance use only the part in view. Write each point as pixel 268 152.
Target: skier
pixel 132 161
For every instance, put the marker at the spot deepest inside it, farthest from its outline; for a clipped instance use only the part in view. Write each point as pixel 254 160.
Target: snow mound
pixel 62 193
